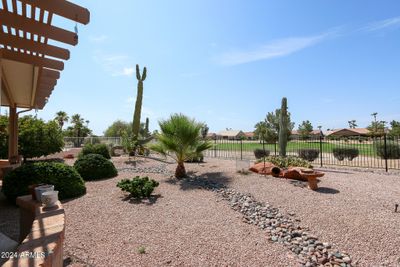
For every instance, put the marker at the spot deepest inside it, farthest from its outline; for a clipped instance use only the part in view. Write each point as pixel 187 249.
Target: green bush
pixel 308 154
pixel 260 153
pixel 95 167
pixel 340 153
pixel 392 150
pixel 138 187
pixel 64 178
pixel 195 159
pixel 289 161
pixel 100 149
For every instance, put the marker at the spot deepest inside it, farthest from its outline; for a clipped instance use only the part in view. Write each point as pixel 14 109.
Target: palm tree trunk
pixel 180 171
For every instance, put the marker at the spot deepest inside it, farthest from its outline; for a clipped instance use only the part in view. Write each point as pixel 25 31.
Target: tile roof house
pixel 231 134
pixel 349 132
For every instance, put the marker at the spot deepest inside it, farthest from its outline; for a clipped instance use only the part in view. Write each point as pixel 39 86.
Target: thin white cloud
pixel 274 49
pixel 128 71
pixel 130 99
pixel 114 64
pixel 98 38
pixel 382 24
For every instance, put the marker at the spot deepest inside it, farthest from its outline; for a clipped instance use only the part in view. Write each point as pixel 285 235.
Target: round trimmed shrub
pixel 65 179
pixel 392 150
pixel 260 153
pixel 340 153
pixel 95 167
pixel 101 149
pixel 309 154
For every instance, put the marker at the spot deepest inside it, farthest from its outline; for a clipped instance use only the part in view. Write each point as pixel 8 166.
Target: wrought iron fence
pixel 71 142
pixel 366 152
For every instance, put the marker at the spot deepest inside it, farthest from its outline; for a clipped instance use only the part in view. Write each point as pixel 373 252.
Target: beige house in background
pixel 346 132
pixel 231 135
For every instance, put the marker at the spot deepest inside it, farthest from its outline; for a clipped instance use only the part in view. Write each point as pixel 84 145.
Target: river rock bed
pixel 281 228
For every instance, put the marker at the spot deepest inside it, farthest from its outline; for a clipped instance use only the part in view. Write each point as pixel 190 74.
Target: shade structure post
pixel 13 136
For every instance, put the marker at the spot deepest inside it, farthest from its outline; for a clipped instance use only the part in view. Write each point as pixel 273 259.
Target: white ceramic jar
pixel 39 190
pixel 50 198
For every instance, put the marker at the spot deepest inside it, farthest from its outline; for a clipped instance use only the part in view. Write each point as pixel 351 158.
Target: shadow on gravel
pixel 199 181
pixel 327 190
pixel 336 171
pixel 146 201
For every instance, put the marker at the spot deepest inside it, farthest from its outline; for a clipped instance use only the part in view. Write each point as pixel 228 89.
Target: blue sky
pixel 229 62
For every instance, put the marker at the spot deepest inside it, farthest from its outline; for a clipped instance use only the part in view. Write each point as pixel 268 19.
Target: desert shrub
pixel 95 167
pixel 64 178
pixel 309 154
pixel 138 187
pixel 100 149
pixel 392 150
pixel 289 161
pixel 38 138
pixel 260 153
pixel 340 153
pixel 194 159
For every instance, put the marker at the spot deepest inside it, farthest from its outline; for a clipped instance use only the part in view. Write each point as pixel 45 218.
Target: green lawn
pixel 365 149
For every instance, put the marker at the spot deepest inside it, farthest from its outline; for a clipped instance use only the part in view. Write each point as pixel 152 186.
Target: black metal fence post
pixel 385 151
pixel 215 147
pixel 241 149
pixel 320 150
pixel 275 147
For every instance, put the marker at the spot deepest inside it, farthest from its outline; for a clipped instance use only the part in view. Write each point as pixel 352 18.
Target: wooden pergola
pixel 29 65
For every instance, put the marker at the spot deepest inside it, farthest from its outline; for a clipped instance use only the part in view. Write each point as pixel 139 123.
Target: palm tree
pixel 180 138
pixel 77 122
pixel 352 124
pixel 61 118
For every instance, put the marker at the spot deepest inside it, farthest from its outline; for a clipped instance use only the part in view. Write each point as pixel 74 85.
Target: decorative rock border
pixel 162 169
pixel 280 228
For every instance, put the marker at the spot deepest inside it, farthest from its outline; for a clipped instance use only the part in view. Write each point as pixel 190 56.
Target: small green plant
pixel 392 150
pixel 195 159
pixel 289 161
pixel 95 167
pixel 309 154
pixel 100 149
pixel 340 153
pixel 260 153
pixel 142 250
pixel 138 187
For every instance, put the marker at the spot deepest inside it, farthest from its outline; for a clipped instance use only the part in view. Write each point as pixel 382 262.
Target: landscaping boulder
pixel 262 168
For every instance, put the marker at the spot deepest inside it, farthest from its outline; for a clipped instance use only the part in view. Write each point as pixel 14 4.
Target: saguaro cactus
pixel 283 128
pixel 146 127
pixel 138 105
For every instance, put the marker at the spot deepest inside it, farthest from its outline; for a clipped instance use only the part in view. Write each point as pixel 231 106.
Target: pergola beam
pixel 50 73
pixel 29 25
pixel 33 60
pixel 62 8
pixel 32 46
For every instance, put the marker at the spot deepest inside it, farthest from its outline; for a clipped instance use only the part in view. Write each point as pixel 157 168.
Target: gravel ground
pixel 185 225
